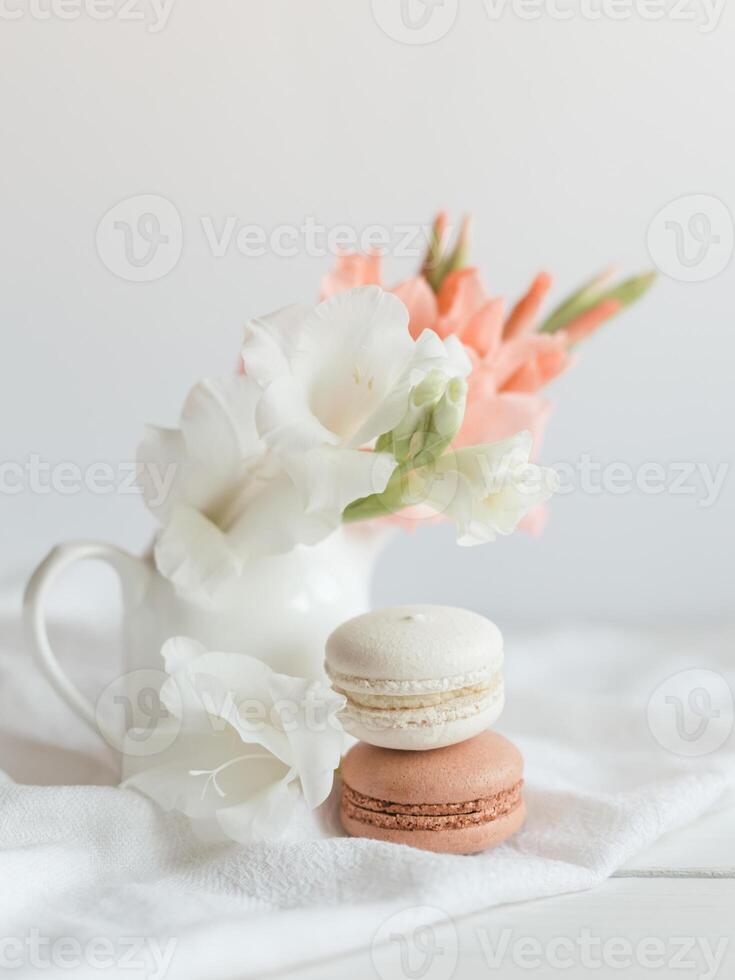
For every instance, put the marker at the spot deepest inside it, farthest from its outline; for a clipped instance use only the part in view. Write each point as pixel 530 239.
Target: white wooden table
pixel 669 913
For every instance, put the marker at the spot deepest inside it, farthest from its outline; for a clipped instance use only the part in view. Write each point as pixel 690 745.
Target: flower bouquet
pixel 421 401
pixel 376 408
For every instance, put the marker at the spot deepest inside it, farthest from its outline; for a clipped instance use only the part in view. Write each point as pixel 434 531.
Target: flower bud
pixel 433 417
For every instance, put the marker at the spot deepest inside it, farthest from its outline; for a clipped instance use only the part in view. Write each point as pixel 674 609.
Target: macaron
pixel 417 677
pixel 456 800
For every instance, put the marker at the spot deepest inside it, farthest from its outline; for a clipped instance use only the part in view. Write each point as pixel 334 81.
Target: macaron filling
pixel 399 702
pixel 422 711
pixel 429 816
pixel 351 684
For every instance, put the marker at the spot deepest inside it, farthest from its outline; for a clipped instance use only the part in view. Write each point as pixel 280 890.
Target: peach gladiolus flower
pixel 513 356
pixel 510 363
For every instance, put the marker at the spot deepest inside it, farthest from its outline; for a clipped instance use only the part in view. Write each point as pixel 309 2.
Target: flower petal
pixel 183 775
pixel 490 417
pixel 484 330
pixel 218 422
pixel 274 519
pixel 265 815
pixel 271 341
pixel 429 353
pixel 233 687
pixel 161 461
pixel 309 710
pixel 461 295
pixel 528 363
pixel 355 348
pixel 180 652
pixel 216 445
pixel 543 365
pixel 522 319
pixel 535 520
pixel 420 301
pixel 350 270
pixel 494 487
pixel 286 420
pixel 331 478
pixel 195 555
pixel 581 326
pixel 178 694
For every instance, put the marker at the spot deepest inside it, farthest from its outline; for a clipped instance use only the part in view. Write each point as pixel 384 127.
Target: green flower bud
pixel 593 293
pixel 433 417
pixel 438 262
pixel 408 439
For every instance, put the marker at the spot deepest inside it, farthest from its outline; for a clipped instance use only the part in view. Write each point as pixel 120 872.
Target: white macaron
pixel 417 677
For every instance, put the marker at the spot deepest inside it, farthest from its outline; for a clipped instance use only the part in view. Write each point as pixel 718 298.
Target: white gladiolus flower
pixel 268 460
pixel 335 378
pixel 226 499
pixel 240 745
pixel 486 490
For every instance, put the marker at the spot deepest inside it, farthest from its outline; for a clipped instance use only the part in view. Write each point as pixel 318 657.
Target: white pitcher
pixel 281 609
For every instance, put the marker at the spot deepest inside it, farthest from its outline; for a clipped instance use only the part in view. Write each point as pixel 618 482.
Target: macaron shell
pixel 477 768
pixel 464 840
pixel 413 643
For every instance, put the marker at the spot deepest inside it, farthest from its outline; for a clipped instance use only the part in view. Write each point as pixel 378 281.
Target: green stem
pixel 390 501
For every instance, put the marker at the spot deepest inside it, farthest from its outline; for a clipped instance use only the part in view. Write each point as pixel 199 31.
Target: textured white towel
pixel 119 879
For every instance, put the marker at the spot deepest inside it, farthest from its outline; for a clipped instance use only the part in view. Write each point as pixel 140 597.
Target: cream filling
pixel 402 702
pixel 398 716
pixel 402 688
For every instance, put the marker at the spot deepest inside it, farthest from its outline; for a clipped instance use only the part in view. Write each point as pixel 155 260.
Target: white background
pixel 563 138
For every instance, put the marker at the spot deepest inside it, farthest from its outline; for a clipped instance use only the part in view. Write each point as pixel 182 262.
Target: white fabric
pixel 92 860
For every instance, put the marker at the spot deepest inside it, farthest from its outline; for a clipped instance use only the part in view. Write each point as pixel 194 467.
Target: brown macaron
pixel 459 799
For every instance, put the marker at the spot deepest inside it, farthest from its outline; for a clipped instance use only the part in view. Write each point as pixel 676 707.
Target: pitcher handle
pixel 134 575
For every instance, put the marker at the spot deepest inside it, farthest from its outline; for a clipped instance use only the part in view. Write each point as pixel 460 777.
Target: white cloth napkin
pixel 104 870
